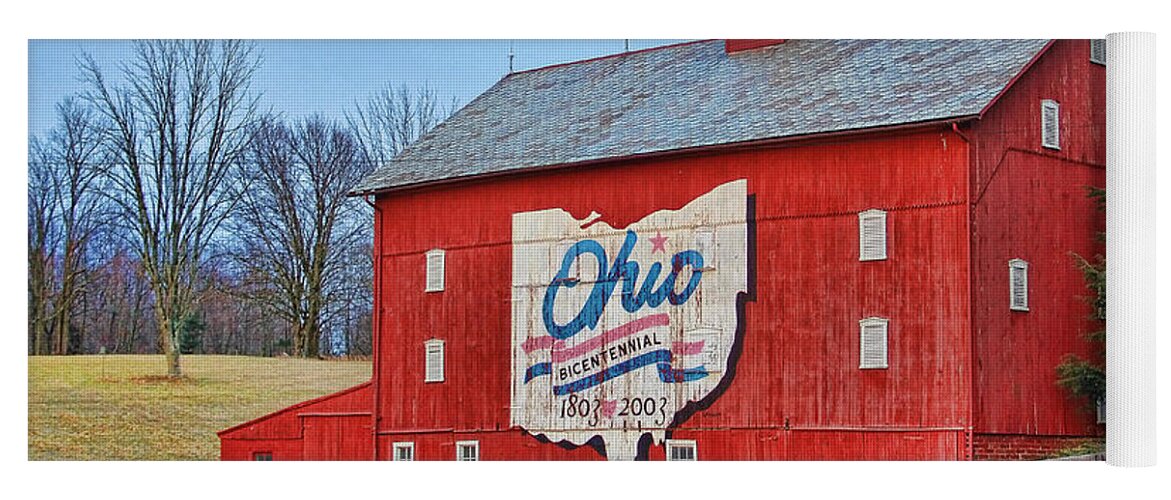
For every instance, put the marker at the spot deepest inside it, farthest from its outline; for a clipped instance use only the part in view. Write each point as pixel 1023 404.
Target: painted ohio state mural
pixel 614 330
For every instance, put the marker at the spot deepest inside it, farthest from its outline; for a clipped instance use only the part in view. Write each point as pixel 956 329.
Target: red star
pixel 658 242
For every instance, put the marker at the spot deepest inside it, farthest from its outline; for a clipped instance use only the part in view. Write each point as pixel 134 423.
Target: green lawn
pixel 116 407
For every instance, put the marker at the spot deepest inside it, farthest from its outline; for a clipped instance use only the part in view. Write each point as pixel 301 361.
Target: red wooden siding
pixel 1030 203
pixel 307 431
pixel 967 377
pixel 800 356
pixel 804 444
pixel 337 436
pixel 749 44
pixel 502 445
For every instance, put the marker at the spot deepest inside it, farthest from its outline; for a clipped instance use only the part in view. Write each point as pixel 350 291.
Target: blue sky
pixel 304 77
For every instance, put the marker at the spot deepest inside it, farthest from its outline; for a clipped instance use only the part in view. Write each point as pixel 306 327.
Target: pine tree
pixel 1084 378
pixel 191 334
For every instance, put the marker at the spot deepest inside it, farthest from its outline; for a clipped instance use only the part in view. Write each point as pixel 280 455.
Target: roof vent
pixel 737 45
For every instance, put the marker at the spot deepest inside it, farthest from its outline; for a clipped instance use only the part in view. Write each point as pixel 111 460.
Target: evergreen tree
pixel 1085 378
pixel 190 334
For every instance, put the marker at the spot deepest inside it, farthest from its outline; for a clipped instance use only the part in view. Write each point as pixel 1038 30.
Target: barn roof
pixel 695 94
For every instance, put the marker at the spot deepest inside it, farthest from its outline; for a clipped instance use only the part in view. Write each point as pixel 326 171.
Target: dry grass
pixel 119 408
pixel 1090 446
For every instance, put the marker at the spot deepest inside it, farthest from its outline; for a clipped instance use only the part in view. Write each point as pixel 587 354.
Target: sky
pixel 300 78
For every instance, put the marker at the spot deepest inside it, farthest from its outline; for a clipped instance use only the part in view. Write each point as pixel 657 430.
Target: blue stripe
pixel 659 356
pixel 669 375
pixel 537 370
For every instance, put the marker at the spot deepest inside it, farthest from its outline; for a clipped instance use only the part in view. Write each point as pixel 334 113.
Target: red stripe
pixel 534 343
pixel 687 348
pixel 626 330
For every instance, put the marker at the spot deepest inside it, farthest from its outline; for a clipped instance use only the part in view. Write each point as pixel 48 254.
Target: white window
pixel 873 345
pixel 404 452
pixel 872 235
pixel 1100 406
pixel 467 451
pixel 1018 285
pixel 1098 51
pixel 435 265
pixel 434 361
pixel 681 450
pixel 1050 127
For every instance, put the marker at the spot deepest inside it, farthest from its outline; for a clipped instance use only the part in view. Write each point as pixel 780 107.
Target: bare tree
pixel 352 296
pixel 177 128
pixel 42 244
pixel 65 211
pixel 390 120
pixel 119 305
pixel 290 219
pixel 80 177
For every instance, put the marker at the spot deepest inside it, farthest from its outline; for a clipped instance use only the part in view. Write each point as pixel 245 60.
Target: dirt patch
pixel 162 379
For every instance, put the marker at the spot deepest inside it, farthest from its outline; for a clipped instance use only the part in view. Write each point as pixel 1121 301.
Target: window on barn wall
pixel 434 361
pixel 1018 285
pixel 874 342
pixel 1098 51
pixel 681 450
pixel 404 452
pixel 467 451
pixel 435 264
pixel 872 235
pixel 262 456
pixel 1050 126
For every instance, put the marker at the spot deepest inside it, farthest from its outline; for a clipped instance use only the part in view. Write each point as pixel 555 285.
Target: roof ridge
pixel 612 56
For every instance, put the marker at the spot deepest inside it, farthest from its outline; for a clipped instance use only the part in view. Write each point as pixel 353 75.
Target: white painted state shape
pixel 715 224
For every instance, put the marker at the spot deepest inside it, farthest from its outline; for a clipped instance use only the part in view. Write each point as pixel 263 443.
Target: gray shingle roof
pixel 695 94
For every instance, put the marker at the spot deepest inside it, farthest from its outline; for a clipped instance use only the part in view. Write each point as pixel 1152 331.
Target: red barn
pixel 742 250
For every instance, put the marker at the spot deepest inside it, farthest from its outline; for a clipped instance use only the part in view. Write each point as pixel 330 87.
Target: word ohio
pixel 609 275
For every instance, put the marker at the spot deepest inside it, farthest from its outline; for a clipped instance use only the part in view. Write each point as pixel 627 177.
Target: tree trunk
pixel 36 304
pixel 173 369
pixel 61 331
pixel 305 339
pixel 312 338
pixel 40 337
pixel 313 323
pixel 36 313
pixel 63 310
pixel 61 327
pixel 168 339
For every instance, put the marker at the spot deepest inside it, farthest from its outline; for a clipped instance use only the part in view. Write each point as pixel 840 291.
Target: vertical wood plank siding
pixel 960 202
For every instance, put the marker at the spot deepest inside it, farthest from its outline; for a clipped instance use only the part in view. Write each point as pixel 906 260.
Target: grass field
pixel 116 407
